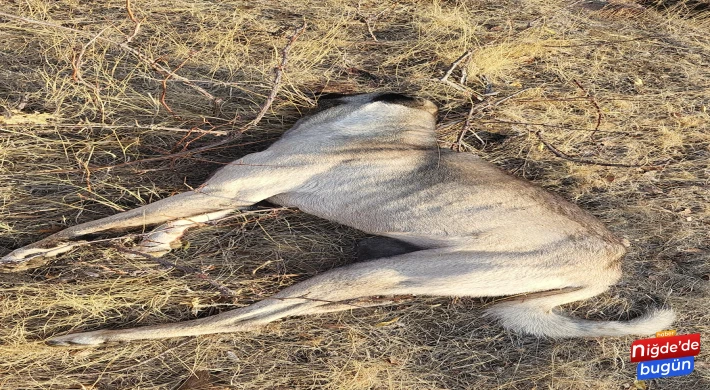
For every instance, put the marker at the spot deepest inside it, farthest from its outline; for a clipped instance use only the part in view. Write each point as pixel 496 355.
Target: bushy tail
pixel 536 317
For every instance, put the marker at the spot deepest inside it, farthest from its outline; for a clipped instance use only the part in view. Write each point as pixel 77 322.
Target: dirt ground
pixel 606 104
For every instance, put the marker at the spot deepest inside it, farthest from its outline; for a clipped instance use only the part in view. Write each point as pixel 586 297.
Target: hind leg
pixel 428 272
pixel 441 272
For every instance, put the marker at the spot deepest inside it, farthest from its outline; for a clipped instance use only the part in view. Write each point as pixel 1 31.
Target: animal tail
pixel 535 316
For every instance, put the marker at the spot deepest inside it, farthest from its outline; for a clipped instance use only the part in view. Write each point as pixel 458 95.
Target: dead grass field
pixel 77 104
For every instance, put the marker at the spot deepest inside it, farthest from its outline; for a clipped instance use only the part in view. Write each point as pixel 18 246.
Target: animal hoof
pixel 149 249
pixel 87 339
pixel 162 240
pixel 33 257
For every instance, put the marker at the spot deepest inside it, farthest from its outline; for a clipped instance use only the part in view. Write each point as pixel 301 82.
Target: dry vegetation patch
pixel 85 95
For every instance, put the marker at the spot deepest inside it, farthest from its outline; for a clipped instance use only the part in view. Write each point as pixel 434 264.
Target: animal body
pixel 448 224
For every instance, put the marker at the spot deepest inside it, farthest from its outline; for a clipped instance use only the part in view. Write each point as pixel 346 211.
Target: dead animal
pixel 449 224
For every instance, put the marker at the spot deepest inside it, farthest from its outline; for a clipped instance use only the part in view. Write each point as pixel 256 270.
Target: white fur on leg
pixel 167 237
pixel 30 256
pixel 79 339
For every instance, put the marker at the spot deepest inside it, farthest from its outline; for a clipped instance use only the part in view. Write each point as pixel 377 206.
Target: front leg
pixel 182 205
pixel 166 237
pixel 240 184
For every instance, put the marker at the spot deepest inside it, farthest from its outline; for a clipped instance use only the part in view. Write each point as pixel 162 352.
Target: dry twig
pixel 372 19
pixel 6 126
pixel 231 137
pixel 125 47
pixel 578 160
pixel 169 73
pixel 77 75
pixel 76 63
pixel 462 88
pixel 276 86
pixel 464 75
pixel 137 27
pixel 596 105
pixel 466 128
pixel 164 88
pixel 480 108
pixel 455 64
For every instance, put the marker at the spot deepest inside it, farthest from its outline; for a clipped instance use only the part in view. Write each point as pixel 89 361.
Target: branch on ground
pixel 234 135
pixel 579 160
pixel 595 104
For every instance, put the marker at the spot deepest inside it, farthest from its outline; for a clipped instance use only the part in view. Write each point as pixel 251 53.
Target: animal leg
pixel 426 272
pixel 178 206
pixel 338 306
pixel 166 237
pixel 242 183
pixel 439 272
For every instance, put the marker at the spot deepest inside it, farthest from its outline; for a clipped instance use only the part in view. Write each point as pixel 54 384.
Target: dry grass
pixel 649 73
